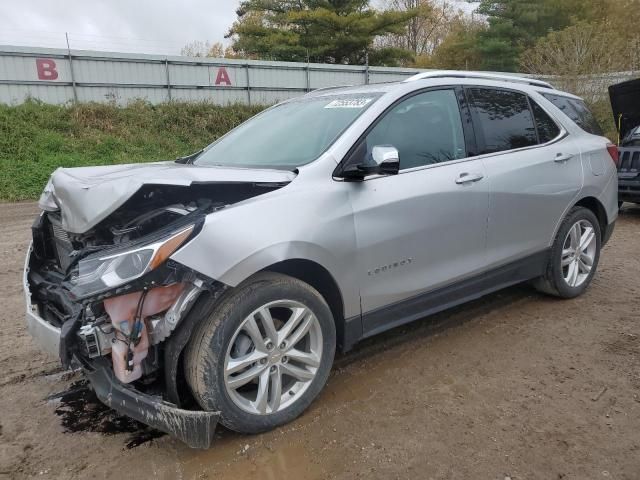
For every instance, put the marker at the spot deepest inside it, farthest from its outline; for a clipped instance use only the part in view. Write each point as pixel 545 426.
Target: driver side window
pixel 425 129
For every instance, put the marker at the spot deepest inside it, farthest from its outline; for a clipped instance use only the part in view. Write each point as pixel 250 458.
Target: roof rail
pixel 480 76
pixel 335 87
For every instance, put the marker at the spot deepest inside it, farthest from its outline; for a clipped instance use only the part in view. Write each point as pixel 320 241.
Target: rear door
pixel 533 168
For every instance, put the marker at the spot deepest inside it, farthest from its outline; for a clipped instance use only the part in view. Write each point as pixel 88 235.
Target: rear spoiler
pixel 625 102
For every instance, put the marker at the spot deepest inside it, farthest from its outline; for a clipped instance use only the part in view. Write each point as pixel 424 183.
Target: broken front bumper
pixel 195 428
pixel 45 334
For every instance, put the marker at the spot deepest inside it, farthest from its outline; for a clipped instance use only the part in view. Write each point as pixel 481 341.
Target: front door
pixel 425 227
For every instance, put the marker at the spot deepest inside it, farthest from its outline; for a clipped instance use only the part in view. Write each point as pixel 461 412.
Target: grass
pixel 36 138
pixel 603 113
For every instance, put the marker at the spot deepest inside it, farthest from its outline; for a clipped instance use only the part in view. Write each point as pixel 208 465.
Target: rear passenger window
pixel 547 128
pixel 577 111
pixel 502 119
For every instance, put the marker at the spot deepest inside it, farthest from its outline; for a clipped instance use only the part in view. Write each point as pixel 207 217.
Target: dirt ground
pixel 516 385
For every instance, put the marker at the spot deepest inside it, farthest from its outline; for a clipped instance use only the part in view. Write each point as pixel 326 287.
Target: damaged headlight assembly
pixel 97 274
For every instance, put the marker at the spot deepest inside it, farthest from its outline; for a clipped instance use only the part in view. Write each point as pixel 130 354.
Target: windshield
pixel 288 135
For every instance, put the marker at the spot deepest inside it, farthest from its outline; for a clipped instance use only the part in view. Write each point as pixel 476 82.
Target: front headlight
pixel 97 274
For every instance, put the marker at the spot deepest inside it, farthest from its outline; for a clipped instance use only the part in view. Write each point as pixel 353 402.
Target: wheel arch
pixel 593 204
pixel 320 279
pixel 305 270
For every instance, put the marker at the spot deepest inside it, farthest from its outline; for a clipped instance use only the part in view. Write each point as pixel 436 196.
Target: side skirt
pixel 414 308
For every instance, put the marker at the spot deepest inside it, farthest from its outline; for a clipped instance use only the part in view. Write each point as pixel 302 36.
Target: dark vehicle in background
pixel 625 102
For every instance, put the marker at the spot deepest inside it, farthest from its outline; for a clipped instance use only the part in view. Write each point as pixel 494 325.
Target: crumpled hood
pixel 87 195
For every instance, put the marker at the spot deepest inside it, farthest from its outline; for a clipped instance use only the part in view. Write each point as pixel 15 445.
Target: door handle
pixel 465 178
pixel 562 158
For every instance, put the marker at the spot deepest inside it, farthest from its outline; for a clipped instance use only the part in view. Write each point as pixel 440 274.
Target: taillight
pixel 613 151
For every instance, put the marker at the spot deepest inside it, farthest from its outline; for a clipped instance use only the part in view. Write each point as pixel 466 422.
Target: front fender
pixel 314 223
pixel 277 253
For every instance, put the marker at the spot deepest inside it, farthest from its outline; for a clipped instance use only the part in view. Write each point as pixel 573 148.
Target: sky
pixel 143 26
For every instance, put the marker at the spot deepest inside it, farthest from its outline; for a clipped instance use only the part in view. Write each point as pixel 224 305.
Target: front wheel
pixel 263 354
pixel 574 255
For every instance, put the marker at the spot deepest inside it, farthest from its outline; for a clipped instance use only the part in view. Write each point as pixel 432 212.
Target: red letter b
pixel 46 69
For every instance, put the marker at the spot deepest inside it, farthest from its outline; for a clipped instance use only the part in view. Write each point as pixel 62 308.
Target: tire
pixel 554 281
pixel 227 335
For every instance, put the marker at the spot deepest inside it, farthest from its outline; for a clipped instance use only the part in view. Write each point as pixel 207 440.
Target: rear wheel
pixel 263 354
pixel 574 255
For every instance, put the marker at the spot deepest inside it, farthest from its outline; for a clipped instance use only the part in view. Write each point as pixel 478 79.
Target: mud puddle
pixel 80 411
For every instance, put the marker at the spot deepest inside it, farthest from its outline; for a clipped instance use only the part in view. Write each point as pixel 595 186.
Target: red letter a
pixel 223 77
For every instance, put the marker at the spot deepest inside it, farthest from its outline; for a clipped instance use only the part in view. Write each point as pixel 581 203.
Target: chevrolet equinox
pixel 217 288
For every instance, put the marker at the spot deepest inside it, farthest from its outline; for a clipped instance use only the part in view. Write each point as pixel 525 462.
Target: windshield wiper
pixel 189 158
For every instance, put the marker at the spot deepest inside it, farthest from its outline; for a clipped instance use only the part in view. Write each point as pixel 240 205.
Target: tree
pixel 327 31
pixel 624 14
pixel 458 50
pixel 216 50
pixel 578 56
pixel 196 48
pixel 230 52
pixel 515 25
pixel 427 29
pixel 199 48
pixel 581 49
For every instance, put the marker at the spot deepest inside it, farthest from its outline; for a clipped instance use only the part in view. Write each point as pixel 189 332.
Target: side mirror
pixel 387 158
pixel 384 160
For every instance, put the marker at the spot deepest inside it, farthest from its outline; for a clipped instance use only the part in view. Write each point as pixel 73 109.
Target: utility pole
pixel 308 72
pixel 366 70
pixel 73 77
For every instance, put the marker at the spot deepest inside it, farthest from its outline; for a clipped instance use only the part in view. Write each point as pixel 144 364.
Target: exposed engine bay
pixel 114 291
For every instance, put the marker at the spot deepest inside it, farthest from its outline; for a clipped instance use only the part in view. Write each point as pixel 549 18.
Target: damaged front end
pixel 111 299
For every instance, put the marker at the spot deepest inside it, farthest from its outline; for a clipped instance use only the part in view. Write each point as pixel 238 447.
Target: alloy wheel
pixel 579 253
pixel 273 357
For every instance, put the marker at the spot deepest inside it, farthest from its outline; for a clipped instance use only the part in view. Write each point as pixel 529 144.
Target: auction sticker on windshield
pixel 349 103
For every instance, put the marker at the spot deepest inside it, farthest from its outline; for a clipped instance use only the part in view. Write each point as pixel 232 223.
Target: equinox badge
pixel 391 266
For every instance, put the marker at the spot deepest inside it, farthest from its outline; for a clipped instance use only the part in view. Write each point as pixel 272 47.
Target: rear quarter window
pixel 547 128
pixel 577 111
pixel 503 119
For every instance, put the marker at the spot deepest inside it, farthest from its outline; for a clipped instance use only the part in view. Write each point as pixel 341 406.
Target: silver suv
pixel 218 287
